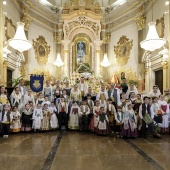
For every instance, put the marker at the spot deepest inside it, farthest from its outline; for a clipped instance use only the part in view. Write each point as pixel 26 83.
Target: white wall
pixel 131 32
pixel 34 32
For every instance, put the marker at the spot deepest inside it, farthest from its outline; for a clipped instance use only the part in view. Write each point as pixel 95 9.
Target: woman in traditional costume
pixel 131 88
pixel 26 119
pixel 16 116
pixel 76 94
pixel 16 99
pixel 129 128
pixel 29 97
pixel 74 117
pixel 3 96
pixel 165 114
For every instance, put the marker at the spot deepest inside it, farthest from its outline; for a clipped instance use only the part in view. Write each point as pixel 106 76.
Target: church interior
pixel 84 84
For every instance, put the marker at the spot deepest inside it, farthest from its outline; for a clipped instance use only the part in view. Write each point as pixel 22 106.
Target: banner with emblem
pixel 36 83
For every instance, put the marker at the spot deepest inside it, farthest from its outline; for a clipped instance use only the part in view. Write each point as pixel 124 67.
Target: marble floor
pixel 82 151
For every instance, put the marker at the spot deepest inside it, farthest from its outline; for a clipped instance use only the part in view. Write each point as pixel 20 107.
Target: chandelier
pixel 58 61
pixel 105 62
pixel 20 42
pixel 152 41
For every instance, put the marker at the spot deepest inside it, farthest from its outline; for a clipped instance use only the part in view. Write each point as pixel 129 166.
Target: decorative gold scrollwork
pixel 122 50
pixel 42 50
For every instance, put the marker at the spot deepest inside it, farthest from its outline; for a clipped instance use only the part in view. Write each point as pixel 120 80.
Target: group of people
pixel 119 109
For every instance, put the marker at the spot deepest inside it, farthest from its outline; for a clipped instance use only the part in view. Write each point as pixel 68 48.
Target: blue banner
pixel 36 83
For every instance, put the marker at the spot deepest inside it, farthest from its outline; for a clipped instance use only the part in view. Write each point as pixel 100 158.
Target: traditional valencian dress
pixel 129 128
pixel 103 124
pixel 74 117
pixel 16 100
pixel 45 125
pixel 157 113
pixel 119 121
pixel 4 99
pixel 165 109
pixel 26 120
pixel 37 119
pixel 16 124
pixel 28 99
pixel 84 111
pixel 111 112
pixel 47 91
pixel 40 101
pixel 95 119
pixel 53 118
pixel 76 96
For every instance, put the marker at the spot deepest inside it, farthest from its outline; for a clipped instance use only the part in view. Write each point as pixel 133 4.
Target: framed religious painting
pixel 122 50
pixel 10 28
pixel 160 27
pixel 42 50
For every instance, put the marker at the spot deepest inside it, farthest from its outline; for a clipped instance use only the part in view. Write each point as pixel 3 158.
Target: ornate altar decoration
pixel 94 82
pixel 42 50
pixel 160 27
pixel 91 5
pixel 126 73
pixel 10 28
pixel 81 53
pixel 122 50
pixel 42 71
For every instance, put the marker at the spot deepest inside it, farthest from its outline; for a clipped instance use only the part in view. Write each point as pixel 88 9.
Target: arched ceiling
pixel 116 12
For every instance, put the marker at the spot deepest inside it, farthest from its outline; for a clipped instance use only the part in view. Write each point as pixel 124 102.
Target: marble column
pixel 168 76
pixel 66 57
pixel 97 58
pixel 5 64
pixel 1 43
pixel 165 75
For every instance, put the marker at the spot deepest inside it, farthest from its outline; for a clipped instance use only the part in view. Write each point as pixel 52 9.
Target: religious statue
pixel 83 67
pixel 81 50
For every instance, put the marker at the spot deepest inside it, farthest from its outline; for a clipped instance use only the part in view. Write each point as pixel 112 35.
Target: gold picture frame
pixel 122 50
pixel 160 27
pixel 10 28
pixel 42 50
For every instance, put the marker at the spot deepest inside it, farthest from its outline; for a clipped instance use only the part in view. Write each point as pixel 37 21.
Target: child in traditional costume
pixel 95 119
pixel 62 113
pixel 53 117
pixel 3 96
pixel 103 123
pixel 29 97
pixel 37 117
pixel 157 111
pixel 165 114
pixel 45 125
pixel 46 101
pixel 16 124
pixel 6 119
pixel 75 94
pixel 40 99
pixel 74 116
pixel 26 118
pixel 90 104
pixel 84 111
pixel 119 121
pixel 111 111
pixel 129 128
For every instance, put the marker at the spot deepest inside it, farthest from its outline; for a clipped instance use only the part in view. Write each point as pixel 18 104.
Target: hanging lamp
pixel 152 41
pixel 20 42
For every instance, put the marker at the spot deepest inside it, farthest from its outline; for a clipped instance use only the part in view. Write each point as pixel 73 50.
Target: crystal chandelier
pixel 58 61
pixel 105 62
pixel 20 42
pixel 152 41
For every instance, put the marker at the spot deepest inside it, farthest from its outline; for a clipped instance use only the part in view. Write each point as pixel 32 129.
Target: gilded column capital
pixel 140 21
pixel 26 19
pixel 164 64
pixel 5 64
